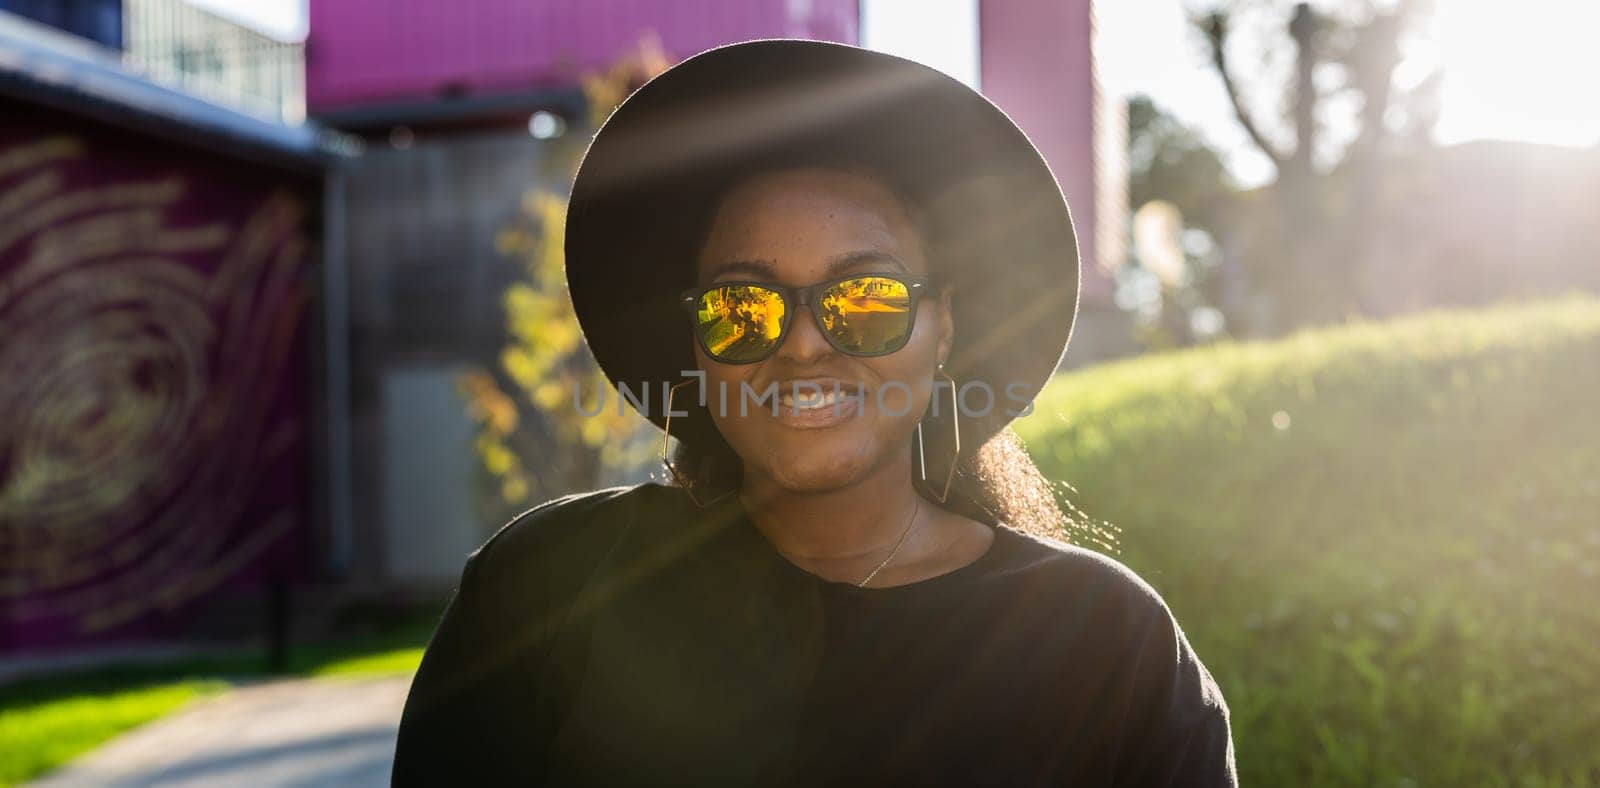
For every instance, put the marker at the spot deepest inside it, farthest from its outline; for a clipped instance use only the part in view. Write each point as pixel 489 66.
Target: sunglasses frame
pixel 806 297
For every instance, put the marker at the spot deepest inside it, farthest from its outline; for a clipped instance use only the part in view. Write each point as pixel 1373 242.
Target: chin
pixel 818 468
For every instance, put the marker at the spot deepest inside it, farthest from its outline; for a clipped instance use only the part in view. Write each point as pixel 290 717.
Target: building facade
pixel 159 272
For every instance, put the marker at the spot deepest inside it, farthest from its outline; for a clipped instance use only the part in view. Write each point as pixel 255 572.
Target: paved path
pixel 298 732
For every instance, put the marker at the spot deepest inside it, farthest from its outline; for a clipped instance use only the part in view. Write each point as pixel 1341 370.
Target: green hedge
pixel 1382 538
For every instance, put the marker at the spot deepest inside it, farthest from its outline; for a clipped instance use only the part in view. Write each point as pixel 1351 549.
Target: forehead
pixel 796 220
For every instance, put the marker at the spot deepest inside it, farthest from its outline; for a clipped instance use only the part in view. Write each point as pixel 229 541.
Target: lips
pixel 817 403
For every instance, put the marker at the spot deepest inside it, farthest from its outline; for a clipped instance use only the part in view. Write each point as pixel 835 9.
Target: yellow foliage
pixel 519 364
pixel 549 395
pixel 513 490
pixel 594 432
pixel 497 459
pixel 487 404
pixel 545 357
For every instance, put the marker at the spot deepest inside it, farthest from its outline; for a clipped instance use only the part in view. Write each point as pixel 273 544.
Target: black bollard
pixel 277 624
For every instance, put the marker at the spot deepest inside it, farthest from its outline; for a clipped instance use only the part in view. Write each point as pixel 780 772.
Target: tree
pixel 1325 196
pixel 1169 160
pixel 533 440
pixel 1181 193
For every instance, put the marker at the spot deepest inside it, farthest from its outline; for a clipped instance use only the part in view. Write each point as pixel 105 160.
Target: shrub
pixel 1382 538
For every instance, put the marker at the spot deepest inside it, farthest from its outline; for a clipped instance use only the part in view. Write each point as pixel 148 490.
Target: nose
pixel 805 342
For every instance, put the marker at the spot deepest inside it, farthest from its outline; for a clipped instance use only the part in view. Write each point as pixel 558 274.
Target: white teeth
pixel 809 400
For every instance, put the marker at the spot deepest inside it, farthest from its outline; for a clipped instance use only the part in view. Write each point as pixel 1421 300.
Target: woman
pixel 847 273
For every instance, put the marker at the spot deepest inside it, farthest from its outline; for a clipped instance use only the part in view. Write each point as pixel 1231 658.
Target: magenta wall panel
pixel 1036 66
pixel 372 51
pixel 154 406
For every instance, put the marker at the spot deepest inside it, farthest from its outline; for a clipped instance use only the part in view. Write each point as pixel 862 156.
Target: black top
pixel 626 637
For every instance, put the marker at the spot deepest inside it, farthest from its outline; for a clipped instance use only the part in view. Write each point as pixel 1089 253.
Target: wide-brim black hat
pixel 1001 230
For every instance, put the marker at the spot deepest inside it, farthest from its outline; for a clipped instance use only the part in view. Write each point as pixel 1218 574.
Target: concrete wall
pixel 425 291
pixel 428 471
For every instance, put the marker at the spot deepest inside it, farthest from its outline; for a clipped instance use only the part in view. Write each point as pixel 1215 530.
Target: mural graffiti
pixel 152 400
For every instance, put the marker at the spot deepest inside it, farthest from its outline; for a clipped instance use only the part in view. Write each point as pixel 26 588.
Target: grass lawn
pixel 37 737
pixel 48 721
pixel 1383 539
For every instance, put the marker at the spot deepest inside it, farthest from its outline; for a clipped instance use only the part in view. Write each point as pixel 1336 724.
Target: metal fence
pixel 205 54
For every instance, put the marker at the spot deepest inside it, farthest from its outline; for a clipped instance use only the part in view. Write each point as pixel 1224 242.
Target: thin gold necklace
pixel 915 508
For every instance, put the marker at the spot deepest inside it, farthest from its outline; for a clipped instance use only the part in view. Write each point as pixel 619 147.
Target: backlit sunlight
pixel 1522 71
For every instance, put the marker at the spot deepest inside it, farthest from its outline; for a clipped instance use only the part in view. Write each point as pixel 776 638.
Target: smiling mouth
pixel 826 405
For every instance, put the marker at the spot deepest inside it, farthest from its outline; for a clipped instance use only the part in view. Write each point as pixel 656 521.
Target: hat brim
pixel 641 198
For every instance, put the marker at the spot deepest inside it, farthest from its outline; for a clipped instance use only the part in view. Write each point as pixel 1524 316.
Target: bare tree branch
pixel 1216 30
pixel 1303 29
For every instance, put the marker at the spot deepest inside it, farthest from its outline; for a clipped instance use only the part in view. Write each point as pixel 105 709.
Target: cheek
pixel 904 377
pixel 724 375
pixel 922 345
pixel 722 392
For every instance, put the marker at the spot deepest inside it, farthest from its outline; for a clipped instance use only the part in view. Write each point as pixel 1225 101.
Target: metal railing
pixel 216 58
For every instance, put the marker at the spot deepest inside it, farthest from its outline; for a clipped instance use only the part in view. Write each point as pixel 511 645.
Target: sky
pixel 281 18
pixel 1526 75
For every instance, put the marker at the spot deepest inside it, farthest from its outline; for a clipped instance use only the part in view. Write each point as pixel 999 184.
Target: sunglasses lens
pixel 739 323
pixel 867 315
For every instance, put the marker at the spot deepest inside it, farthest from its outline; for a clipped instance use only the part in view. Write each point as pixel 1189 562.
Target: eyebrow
pixel 837 266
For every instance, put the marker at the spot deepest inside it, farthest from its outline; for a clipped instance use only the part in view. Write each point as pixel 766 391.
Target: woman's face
pixel 798 227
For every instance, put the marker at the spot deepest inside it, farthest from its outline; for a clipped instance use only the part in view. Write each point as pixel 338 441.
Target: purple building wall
pixel 1038 65
pixel 369 51
pixel 155 412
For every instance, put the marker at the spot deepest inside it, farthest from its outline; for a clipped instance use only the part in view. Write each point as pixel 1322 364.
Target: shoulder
pixel 1091 583
pixel 1128 629
pixel 1101 604
pixel 567 527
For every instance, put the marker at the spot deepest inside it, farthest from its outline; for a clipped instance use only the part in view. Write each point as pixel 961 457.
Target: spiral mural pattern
pixel 152 415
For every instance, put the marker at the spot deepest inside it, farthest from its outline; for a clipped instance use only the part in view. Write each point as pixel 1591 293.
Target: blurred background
pixel 283 337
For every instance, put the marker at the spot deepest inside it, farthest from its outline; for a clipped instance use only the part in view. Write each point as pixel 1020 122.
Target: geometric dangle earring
pixel 955 441
pixel 684 483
